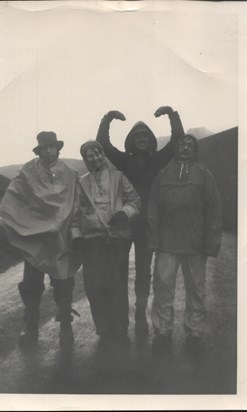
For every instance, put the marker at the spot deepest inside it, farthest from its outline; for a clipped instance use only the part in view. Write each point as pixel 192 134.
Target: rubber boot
pixel 63 297
pixel 66 337
pixel 31 299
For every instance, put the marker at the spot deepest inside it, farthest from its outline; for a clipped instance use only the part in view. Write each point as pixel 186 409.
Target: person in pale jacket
pixel 36 213
pixel 108 204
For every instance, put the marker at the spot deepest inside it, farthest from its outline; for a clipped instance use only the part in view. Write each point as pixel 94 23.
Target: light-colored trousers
pixel 164 285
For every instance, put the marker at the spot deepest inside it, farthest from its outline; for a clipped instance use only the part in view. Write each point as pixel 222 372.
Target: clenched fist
pixel 163 110
pixel 115 114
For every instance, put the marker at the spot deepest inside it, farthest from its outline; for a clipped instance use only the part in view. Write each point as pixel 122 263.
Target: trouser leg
pixel 194 272
pixel 143 259
pixel 31 289
pixel 119 270
pixel 96 274
pixel 162 314
pixel 63 295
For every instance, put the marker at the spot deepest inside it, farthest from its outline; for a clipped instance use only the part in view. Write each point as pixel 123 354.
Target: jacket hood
pixel 91 144
pixel 195 155
pixel 140 127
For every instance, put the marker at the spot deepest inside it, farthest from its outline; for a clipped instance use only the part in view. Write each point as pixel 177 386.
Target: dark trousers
pixel 32 287
pixel 105 272
pixel 143 260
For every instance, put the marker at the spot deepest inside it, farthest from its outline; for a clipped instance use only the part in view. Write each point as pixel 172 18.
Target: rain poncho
pixel 37 212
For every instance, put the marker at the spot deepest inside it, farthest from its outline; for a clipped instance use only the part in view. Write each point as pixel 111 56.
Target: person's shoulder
pixel 67 167
pixel 165 169
pixel 31 164
pixel 201 168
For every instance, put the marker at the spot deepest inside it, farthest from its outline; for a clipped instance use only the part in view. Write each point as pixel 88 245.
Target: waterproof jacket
pixel 96 212
pixel 184 210
pixel 140 168
pixel 37 212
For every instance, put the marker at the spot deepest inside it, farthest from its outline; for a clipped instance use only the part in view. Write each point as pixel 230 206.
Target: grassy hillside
pixel 219 153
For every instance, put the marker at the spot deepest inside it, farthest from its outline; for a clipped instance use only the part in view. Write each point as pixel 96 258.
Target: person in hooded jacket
pixel 108 203
pixel 184 225
pixel 140 163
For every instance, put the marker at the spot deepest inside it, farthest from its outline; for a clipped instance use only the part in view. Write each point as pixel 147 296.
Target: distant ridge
pixel 198 132
pixel 219 153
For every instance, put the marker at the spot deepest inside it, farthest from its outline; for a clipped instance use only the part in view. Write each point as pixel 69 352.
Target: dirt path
pixel 88 370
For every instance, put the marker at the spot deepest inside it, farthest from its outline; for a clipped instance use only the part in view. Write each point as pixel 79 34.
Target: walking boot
pixel 31 299
pixel 141 324
pixel 30 334
pixel 62 293
pixel 161 345
pixel 66 337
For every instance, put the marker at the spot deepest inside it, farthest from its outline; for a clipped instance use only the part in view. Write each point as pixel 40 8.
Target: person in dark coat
pixel 140 163
pixel 184 228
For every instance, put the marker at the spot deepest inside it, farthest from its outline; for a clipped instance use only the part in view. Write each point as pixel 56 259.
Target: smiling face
pixel 186 148
pixel 141 142
pixel 94 159
pixel 48 153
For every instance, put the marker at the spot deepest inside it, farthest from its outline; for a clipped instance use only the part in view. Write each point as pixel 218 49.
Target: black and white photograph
pixel 120 186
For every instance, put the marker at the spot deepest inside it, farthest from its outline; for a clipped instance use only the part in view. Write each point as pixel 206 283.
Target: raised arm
pixel 112 153
pixel 177 129
pixel 164 155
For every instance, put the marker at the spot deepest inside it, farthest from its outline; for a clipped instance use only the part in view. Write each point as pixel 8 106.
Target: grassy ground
pixel 87 371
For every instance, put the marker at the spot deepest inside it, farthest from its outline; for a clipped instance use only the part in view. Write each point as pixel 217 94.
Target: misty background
pixel 63 65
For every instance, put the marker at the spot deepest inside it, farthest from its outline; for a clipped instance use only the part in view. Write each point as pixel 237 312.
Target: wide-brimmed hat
pixel 47 138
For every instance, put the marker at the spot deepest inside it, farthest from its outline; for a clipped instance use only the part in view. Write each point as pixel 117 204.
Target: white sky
pixel 62 69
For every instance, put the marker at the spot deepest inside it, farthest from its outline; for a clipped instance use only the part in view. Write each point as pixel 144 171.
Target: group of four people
pixel 164 201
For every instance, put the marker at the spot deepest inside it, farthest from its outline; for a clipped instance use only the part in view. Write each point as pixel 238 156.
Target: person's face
pixel 94 159
pixel 186 149
pixel 48 153
pixel 141 142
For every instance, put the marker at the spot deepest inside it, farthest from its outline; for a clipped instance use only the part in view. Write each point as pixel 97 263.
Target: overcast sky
pixel 63 68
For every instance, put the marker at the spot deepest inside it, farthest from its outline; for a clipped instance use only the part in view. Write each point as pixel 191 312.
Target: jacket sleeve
pixel 153 216
pixel 213 216
pixel 75 230
pixel 164 155
pixel 111 152
pixel 131 199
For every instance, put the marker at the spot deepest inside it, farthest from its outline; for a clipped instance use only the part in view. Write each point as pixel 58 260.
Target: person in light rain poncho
pixel 108 204
pixel 37 212
pixel 184 228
